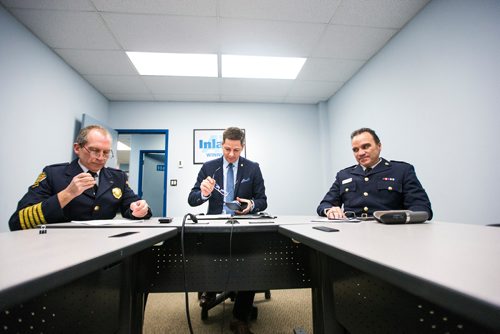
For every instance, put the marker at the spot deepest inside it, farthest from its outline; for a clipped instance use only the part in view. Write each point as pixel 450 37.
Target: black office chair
pixel 222 296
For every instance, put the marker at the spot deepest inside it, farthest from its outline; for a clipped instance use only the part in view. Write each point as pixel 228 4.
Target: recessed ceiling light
pixel 175 64
pixel 261 67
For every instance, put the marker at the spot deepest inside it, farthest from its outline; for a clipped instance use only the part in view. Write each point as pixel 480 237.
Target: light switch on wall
pixel 173 182
pixel 180 164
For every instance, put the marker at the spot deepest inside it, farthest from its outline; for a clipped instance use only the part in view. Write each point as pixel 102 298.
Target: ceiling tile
pixel 182 85
pixel 153 33
pixel 349 42
pixel 98 62
pixel 84 5
pixel 302 100
pixel 268 38
pixel 252 98
pixel 328 69
pixel 336 36
pixel 187 97
pixel 319 11
pixel 263 87
pixel 170 7
pixel 377 13
pixel 73 30
pixel 319 89
pixel 129 97
pixel 118 84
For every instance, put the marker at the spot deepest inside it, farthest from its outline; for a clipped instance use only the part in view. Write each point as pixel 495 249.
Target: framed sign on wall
pixel 207 145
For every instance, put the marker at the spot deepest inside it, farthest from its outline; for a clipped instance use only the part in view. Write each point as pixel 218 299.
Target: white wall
pixel 283 139
pixel 433 96
pixel 41 102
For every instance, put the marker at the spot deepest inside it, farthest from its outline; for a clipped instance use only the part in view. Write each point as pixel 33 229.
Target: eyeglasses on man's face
pixel 96 153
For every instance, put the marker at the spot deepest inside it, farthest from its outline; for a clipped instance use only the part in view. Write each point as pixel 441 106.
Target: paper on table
pixel 106 222
pixel 213 217
pixel 344 220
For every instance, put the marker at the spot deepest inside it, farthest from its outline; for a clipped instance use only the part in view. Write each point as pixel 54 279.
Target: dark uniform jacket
pixel 249 185
pixel 41 206
pixel 389 186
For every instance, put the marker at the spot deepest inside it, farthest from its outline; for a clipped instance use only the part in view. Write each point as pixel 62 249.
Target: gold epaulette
pixel 31 216
pixel 39 179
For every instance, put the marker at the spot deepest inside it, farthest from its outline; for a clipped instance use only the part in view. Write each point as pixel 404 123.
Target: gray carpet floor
pixel 286 310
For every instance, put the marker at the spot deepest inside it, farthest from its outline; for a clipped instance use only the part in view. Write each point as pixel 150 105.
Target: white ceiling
pixel 336 36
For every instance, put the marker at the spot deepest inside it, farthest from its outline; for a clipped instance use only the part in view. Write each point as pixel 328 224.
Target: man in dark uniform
pixel 81 190
pixel 233 178
pixel 374 184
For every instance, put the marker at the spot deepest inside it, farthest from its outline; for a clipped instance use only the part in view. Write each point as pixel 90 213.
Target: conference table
pixel 224 254
pixel 77 280
pixel 367 277
pixel 414 278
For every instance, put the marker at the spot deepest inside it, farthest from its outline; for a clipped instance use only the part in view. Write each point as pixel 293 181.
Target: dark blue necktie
pixel 94 175
pixel 230 187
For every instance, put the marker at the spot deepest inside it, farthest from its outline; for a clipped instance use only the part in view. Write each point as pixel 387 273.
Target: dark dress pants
pixel 243 305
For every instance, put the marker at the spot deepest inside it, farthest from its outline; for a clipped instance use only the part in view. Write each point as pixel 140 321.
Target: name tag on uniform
pixel 347 180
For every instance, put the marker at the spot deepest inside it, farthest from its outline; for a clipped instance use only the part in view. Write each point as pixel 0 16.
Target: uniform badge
pixel 349 180
pixel 39 179
pixel 117 192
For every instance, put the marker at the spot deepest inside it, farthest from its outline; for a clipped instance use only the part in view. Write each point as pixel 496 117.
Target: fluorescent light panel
pixel 261 67
pixel 205 65
pixel 174 64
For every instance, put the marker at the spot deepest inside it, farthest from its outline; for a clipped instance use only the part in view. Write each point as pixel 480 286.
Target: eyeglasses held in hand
pixel 218 188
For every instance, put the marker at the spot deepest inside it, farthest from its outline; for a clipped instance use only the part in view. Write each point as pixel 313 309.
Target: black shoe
pixel 207 299
pixel 239 327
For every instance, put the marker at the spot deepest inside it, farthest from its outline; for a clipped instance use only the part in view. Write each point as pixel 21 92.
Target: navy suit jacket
pixel 389 186
pixel 41 206
pixel 249 185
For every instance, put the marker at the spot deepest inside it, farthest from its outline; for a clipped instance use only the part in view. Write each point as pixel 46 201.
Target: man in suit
pixel 228 178
pixel 374 183
pixel 81 190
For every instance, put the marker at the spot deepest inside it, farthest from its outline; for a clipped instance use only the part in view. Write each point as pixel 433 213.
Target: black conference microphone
pixel 192 217
pixel 401 216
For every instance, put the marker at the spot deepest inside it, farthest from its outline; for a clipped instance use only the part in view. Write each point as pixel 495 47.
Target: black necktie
pixel 368 170
pixel 94 175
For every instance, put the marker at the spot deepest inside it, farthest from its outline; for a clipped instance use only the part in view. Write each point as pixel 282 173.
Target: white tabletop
pixel 458 261
pixel 206 224
pixel 33 263
pixel 239 224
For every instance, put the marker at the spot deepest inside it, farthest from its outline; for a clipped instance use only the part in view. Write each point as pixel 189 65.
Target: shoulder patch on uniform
pixel 114 169
pixel 60 164
pixel 39 179
pixel 350 167
pixel 399 162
